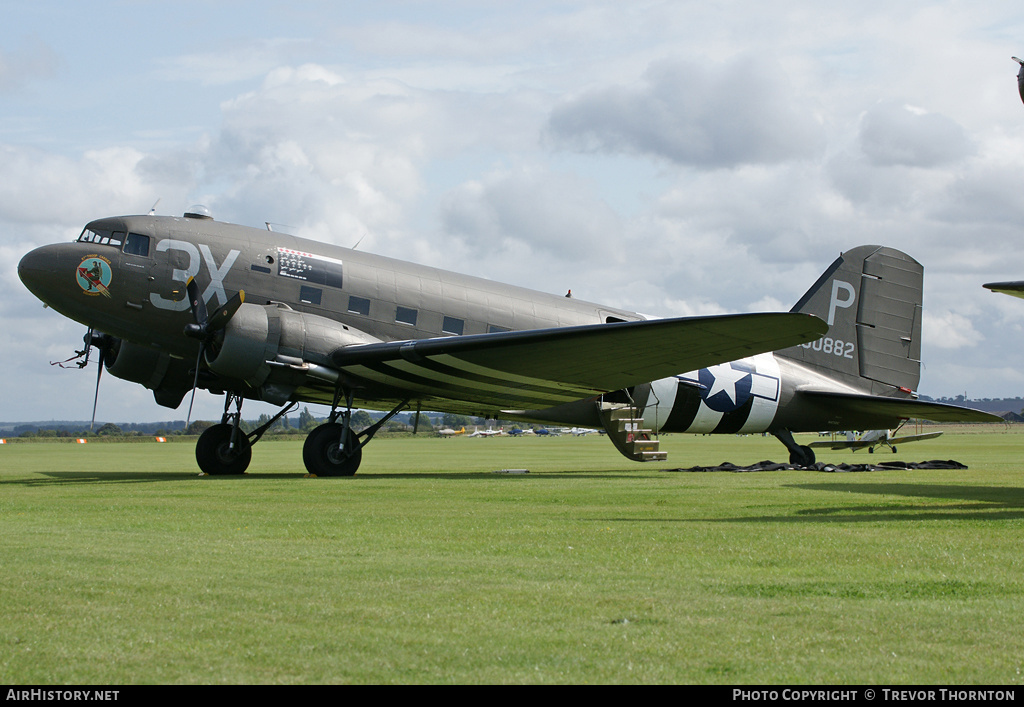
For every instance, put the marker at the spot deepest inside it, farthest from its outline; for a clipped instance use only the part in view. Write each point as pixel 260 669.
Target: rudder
pixel 871 299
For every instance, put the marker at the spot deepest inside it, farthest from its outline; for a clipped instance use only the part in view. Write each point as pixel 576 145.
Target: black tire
pixel 214 453
pixel 805 457
pixel 322 452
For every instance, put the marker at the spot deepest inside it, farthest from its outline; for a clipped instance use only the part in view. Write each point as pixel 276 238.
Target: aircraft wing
pixel 914 438
pixel 845 444
pixel 1007 288
pixel 853 404
pixel 542 368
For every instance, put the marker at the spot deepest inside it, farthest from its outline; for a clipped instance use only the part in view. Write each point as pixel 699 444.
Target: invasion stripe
pixel 464 365
pixel 375 370
pixel 495 380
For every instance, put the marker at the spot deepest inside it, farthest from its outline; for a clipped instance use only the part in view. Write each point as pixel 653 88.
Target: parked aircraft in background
pixel 875 438
pixel 296 320
pixel 486 433
pixel 449 432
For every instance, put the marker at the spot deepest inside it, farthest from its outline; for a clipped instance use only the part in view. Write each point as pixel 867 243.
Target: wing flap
pixel 546 367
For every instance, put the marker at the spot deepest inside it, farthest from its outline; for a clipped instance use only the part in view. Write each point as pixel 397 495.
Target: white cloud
pixel 743 112
pixel 901 135
pixel 949 330
pixel 505 141
pixel 31 61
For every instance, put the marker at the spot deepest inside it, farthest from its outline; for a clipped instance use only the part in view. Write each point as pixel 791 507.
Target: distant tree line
pixel 301 424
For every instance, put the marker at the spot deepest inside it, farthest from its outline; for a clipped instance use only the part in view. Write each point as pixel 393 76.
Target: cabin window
pixel 310 295
pixel 136 244
pixel 494 328
pixel 359 305
pixel 451 325
pixel 404 315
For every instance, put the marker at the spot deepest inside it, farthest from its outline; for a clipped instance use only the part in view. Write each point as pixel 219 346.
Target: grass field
pixel 121 565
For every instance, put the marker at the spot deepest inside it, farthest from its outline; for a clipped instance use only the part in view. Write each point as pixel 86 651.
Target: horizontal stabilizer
pixel 856 405
pixel 541 368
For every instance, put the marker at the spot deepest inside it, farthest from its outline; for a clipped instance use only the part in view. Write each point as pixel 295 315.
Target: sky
pixel 674 158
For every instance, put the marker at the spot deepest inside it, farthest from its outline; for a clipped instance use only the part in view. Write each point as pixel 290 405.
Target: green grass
pixel 121 565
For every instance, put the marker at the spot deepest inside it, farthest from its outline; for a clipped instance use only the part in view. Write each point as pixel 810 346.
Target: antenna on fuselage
pixel 282 227
pixel 152 211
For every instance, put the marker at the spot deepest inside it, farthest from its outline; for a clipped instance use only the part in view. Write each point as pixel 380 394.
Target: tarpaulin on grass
pixel 824 466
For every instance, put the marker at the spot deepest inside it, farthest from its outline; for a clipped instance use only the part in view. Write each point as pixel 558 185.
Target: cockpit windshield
pixel 112 238
pixel 131 243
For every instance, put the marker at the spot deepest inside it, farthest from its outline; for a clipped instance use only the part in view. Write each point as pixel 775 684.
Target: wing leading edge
pixel 547 367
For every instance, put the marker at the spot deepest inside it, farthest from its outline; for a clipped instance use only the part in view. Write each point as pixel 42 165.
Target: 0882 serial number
pixel 835 347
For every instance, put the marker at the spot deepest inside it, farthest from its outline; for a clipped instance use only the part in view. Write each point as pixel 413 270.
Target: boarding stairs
pixel 626 430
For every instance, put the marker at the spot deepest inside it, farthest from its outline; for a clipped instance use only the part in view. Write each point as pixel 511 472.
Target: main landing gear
pixel 225 449
pixel 801 455
pixel 332 449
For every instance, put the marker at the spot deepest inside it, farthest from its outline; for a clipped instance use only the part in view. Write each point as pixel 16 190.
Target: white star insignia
pixel 726 377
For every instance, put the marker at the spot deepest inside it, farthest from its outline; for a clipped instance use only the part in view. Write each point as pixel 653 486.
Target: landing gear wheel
pixel 323 454
pixel 803 457
pixel 214 453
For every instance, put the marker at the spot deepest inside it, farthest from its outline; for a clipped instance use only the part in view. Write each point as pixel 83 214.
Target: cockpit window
pixel 112 238
pixel 136 244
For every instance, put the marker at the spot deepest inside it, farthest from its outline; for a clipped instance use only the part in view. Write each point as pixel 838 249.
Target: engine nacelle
pixel 167 377
pixel 257 334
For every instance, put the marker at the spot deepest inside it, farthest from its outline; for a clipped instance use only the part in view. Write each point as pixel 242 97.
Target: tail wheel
pixel 803 457
pixel 215 454
pixel 324 455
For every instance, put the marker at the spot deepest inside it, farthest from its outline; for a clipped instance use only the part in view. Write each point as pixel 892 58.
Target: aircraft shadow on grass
pixel 970 503
pixel 52 478
pixel 974 503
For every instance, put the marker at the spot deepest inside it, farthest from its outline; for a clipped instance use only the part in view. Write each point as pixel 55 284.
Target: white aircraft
pixel 875 438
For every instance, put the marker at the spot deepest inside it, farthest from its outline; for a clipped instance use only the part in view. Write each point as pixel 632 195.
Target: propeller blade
pixel 195 384
pixel 196 303
pixel 222 316
pixel 96 395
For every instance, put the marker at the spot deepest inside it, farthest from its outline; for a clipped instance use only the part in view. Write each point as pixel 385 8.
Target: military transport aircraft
pixel 295 320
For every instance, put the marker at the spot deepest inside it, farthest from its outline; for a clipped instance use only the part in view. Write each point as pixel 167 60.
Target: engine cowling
pixel 257 334
pixel 167 377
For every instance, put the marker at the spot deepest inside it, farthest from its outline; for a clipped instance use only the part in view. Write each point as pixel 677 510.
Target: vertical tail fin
pixel 871 299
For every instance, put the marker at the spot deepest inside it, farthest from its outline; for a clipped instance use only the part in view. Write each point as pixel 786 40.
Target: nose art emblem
pixel 93 275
